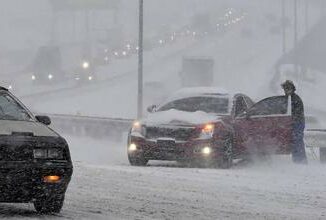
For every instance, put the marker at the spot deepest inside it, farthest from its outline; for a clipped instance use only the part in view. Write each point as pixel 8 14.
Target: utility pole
pixel 296 66
pixel 116 15
pixel 306 16
pixel 74 28
pixel 295 22
pixel 54 28
pixel 88 38
pixel 283 28
pixel 140 60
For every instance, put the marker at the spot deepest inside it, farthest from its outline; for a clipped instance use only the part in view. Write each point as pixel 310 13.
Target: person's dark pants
pixel 298 147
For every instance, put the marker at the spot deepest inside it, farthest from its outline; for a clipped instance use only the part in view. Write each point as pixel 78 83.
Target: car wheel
pixel 137 160
pixel 226 160
pixel 322 154
pixel 49 205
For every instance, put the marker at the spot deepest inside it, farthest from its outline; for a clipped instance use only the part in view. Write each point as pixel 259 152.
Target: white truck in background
pixel 197 71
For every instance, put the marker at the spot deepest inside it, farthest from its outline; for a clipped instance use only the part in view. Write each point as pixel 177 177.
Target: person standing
pixel 298 126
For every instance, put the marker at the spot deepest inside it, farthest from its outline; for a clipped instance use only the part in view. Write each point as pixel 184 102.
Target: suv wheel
pixel 49 205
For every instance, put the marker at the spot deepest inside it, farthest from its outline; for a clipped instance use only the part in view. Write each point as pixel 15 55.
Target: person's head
pixel 288 87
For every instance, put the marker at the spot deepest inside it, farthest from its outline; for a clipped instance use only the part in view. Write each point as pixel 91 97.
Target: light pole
pixel 283 28
pixel 306 16
pixel 295 22
pixel 295 35
pixel 140 60
pixel 54 27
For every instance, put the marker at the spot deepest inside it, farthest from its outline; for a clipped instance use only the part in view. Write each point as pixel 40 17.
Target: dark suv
pixel 35 163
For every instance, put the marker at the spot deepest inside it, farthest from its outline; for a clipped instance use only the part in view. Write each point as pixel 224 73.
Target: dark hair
pixel 288 84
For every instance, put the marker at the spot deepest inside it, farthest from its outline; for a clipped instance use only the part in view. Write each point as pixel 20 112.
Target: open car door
pixel 266 127
pixel 241 104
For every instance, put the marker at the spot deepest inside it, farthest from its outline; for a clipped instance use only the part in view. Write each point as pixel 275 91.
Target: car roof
pixel 201 91
pixel 198 92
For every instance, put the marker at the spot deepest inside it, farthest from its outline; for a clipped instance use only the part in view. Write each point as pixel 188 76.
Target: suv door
pixel 265 127
pixel 241 104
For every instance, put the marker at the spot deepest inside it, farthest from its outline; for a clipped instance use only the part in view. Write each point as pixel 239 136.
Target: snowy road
pixel 104 186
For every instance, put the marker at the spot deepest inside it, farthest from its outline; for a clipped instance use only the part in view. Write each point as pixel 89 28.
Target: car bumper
pixel 182 150
pixel 23 182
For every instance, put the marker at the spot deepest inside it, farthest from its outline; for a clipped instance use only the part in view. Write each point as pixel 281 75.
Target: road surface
pixel 104 186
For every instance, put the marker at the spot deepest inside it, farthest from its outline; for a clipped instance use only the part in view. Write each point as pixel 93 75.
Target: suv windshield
pixel 216 105
pixel 10 109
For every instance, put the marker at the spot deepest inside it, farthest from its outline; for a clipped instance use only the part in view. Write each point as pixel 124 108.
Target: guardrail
pixel 115 128
pixel 94 127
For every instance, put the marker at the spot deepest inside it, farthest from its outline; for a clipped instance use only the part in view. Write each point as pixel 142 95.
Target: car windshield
pixel 216 105
pixel 10 109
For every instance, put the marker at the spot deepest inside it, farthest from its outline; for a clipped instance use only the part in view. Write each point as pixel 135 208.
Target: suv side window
pixel 277 105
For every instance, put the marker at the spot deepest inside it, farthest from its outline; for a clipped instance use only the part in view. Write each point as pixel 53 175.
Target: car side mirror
pixel 151 108
pixel 43 119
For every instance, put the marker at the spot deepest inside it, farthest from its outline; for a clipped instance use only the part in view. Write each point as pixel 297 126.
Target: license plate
pixel 166 145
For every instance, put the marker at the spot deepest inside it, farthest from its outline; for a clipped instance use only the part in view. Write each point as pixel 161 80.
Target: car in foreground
pixel 188 127
pixel 35 162
pixel 208 126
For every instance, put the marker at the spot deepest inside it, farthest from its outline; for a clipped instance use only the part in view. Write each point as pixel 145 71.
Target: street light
pixel 140 60
pixel 306 16
pixel 283 28
pixel 295 22
pixel 296 67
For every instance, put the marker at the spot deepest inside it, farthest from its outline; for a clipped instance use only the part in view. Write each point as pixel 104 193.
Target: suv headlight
pixel 137 127
pixel 53 153
pixel 207 131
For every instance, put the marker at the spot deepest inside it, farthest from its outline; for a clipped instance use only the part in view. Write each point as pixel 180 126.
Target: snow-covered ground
pixel 104 186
